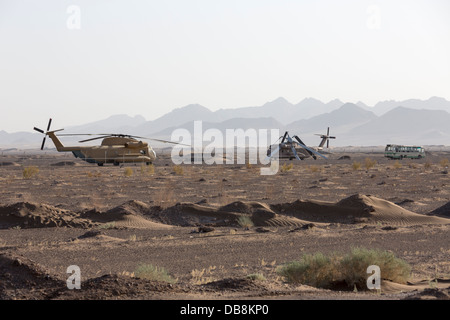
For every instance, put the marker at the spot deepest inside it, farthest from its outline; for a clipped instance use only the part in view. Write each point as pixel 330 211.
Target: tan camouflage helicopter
pixel 115 148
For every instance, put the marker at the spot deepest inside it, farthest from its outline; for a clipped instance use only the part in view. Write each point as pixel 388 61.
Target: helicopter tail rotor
pixel 45 132
pixel 325 138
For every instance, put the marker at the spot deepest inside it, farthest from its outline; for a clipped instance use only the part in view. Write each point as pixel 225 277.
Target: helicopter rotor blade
pixel 94 138
pixel 80 134
pixel 160 140
pixel 49 123
pixel 309 149
pixel 39 130
pixel 165 141
pixel 284 137
pixel 273 153
pixel 108 135
pixel 43 142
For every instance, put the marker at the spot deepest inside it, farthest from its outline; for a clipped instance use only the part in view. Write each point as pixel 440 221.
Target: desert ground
pixel 110 220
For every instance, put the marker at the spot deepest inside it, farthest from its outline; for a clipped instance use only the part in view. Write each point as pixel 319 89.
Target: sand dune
pixel 32 215
pixel 356 209
pixel 136 214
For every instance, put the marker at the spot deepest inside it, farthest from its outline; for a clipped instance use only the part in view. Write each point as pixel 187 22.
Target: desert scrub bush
pixel 256 277
pixel 314 168
pixel 178 170
pixel 326 271
pixel 245 221
pixel 108 225
pixel 150 272
pixel 286 167
pixel 397 165
pixel 93 174
pixel 202 276
pixel 369 163
pixel 427 165
pixel 356 165
pixel 29 172
pixel 354 265
pixel 315 270
pixel 444 162
pixel 128 172
pixel 147 169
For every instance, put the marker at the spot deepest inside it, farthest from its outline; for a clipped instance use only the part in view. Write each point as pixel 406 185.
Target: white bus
pixel 394 151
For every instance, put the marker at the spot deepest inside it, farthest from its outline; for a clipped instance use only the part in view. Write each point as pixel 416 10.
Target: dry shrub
pixel 315 270
pixel 203 276
pixel 150 272
pixel 356 165
pixel 286 167
pixel 128 172
pixel 427 165
pixel 147 169
pixel 326 271
pixel 29 172
pixel 397 164
pixel 354 266
pixel 178 170
pixel 369 163
pixel 93 174
pixel 444 162
pixel 245 221
pixel 314 168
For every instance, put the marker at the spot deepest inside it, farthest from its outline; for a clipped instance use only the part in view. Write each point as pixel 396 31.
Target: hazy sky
pixel 84 60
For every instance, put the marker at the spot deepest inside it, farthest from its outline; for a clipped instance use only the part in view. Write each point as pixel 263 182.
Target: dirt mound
pixel 443 211
pixel 9 163
pixel 32 215
pixel 235 284
pixel 117 287
pixel 355 209
pixel 136 214
pixel 431 294
pixel 18 275
pixel 188 214
pixel 97 236
pixel 131 214
pixel 64 163
pixel 245 207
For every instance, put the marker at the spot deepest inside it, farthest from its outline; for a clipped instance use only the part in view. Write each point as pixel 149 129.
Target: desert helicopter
pixel 115 148
pixel 289 148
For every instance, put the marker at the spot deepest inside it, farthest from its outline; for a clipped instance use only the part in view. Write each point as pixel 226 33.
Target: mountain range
pixel 413 121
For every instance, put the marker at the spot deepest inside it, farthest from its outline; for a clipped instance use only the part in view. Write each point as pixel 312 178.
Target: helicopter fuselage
pixel 113 150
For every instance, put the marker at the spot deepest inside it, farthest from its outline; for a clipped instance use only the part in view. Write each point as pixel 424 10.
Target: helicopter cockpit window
pixel 142 152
